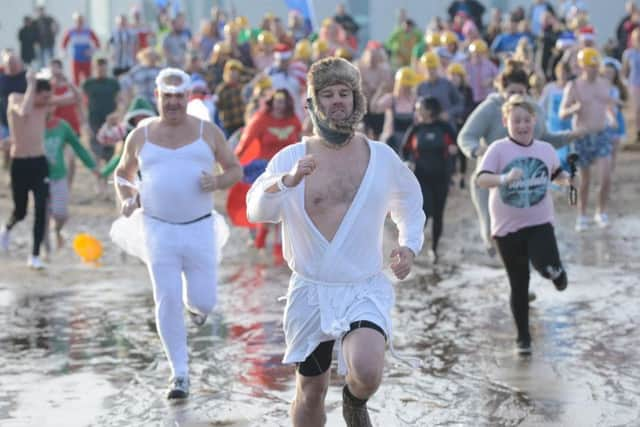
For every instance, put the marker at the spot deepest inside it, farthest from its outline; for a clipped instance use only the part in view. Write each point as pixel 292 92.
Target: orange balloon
pixel 88 248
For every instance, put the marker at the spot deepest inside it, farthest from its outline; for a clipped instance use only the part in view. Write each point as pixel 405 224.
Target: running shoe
pixel 354 411
pixel 561 282
pixel 178 388
pixel 602 219
pixel 35 262
pixel 558 277
pixel 4 239
pixel 582 223
pixel 197 318
pixel 523 347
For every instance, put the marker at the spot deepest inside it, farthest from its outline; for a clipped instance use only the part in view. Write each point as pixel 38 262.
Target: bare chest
pixel 28 130
pixel 592 94
pixel 334 185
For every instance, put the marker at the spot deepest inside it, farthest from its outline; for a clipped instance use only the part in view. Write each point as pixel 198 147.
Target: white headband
pixel 166 73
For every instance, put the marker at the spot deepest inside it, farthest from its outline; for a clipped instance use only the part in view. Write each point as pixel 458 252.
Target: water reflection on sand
pixel 88 354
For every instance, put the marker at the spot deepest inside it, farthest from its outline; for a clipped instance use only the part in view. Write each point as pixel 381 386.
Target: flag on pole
pixel 306 9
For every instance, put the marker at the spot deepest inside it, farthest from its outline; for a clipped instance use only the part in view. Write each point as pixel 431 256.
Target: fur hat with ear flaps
pixel 330 71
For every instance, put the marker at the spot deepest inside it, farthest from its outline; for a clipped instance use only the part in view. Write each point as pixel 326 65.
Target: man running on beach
pixel 332 193
pixel 27 115
pixel 587 100
pixel 175 155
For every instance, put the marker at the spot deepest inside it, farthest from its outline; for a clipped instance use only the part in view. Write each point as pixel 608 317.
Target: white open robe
pixel 338 282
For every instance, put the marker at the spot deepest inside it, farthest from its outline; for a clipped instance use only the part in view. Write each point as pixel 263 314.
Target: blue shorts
pixel 4 131
pixel 593 146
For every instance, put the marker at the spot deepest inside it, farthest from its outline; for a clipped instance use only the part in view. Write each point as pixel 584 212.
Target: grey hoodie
pixel 485 122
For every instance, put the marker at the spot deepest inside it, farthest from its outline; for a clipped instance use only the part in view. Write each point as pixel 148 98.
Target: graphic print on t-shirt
pixel 531 188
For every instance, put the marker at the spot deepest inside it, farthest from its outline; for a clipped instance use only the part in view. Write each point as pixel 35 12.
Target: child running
pixel 59 134
pixel 428 145
pixel 518 170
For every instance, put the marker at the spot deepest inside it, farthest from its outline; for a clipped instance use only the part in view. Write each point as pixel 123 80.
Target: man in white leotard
pixel 175 155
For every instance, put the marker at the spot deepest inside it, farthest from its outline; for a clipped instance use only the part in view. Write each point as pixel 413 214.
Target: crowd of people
pixel 505 95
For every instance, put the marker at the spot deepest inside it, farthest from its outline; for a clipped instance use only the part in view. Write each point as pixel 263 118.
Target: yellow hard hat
pixel 302 50
pixel 266 37
pixel 242 22
pixel 448 37
pixel 588 57
pixel 478 46
pixel 456 68
pixel 320 46
pixel 232 64
pixel 264 83
pixel 406 76
pixel 343 53
pixel 433 39
pixel 326 22
pixel 430 60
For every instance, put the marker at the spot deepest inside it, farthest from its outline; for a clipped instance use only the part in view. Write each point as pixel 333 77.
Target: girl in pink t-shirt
pixel 518 171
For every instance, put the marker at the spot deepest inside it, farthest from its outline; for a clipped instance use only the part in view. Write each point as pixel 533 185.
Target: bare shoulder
pixel 135 140
pixel 212 135
pixel 211 131
pixel 146 122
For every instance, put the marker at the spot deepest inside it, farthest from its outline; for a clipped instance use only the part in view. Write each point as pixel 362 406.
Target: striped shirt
pixel 124 45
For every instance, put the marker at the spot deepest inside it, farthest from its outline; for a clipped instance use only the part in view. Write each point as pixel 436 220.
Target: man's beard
pixel 335 132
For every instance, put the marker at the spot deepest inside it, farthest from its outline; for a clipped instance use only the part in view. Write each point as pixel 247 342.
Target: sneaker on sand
pixel 354 411
pixel 602 220
pixel 523 347
pixel 35 262
pixel 582 223
pixel 558 277
pixel 178 388
pixel 4 239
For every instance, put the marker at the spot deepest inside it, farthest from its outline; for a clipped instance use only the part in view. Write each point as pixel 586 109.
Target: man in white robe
pixel 332 193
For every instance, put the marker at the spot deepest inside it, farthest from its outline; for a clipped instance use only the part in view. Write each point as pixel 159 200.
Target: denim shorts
pixel 593 146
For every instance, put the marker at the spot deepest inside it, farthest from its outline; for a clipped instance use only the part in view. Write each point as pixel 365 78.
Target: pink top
pixel 525 202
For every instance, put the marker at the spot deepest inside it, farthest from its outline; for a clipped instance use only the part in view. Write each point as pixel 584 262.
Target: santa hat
pixel 586 33
pixel 373 45
pixel 282 52
pixel 198 83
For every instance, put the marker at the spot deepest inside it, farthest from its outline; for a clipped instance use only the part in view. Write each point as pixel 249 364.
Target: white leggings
pixel 182 267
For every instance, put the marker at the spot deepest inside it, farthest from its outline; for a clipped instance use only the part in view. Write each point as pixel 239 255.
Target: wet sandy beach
pixel 78 344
